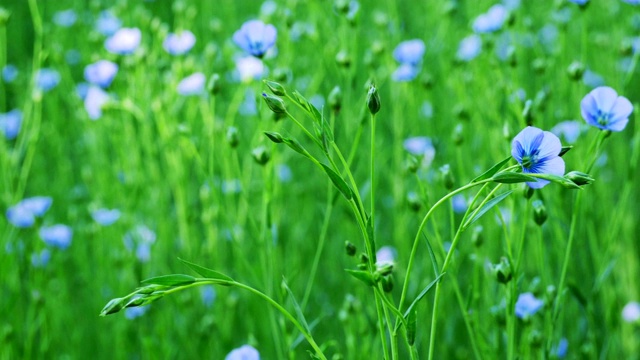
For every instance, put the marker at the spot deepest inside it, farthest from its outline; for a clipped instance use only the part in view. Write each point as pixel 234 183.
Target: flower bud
pixel 341 6
pixel 343 59
pixel 528 192
pixel 412 164
pixel 364 259
pixel 535 338
pixel 476 236
pixel 539 65
pixel 373 100
pixel 274 136
pixel 274 103
pixel 461 112
pixel 575 71
pixel 350 248
pixel 232 136
pixel 275 88
pixel 579 178
pixel 335 99
pixel 539 212
pixel 213 85
pixel 385 269
pixel 503 271
pixel 414 201
pixel 447 177
pixel 457 136
pixel 387 283
pixel 261 155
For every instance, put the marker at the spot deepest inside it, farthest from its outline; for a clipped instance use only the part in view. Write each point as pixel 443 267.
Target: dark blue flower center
pixel 603 118
pixel 530 160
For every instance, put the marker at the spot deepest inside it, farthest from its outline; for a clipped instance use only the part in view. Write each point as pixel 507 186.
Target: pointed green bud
pixel 274 103
pixel 385 269
pixel 503 271
pixel 260 155
pixel 564 150
pixel 387 283
pixel 341 6
pixel 528 192
pixel 373 100
pixel 527 112
pixel 506 131
pixel 575 71
pixel 457 136
pixel 335 99
pixel 364 259
pixel 539 212
pixel 113 306
pixel 579 178
pixel 447 177
pixel 275 88
pixel 476 236
pixel 274 136
pixel 414 201
pixel 350 248
pixel 512 59
pixel 232 136
pixel 213 85
pixel 412 164
pixel 343 59
pixel 535 338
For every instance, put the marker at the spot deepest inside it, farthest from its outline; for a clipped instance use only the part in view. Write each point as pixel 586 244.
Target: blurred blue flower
pixel 82 89
pixel 592 79
pixel 537 152
pixel 579 2
pixel 631 312
pixel 386 255
pixel 101 73
pixel 490 21
pixel 23 214
pixel 632 2
pixel 405 72
pixel 135 312
pixel 469 48
pixel 73 56
pixel 255 37
pixel 105 217
pixel 57 235
pixel 250 68
pixel 418 145
pixel 125 41
pixel 208 295
pixel 47 79
pixel 139 241
pixel 10 123
pixel 245 352
pixel 178 44
pixel 284 173
pixel 65 18
pixel 107 23
pixel 409 52
pixel 527 305
pixel 459 203
pixel 9 73
pixel 41 259
pixel 604 109
pixel 95 99
pixel 569 130
pixel 560 350
pixel 192 85
pixel 268 8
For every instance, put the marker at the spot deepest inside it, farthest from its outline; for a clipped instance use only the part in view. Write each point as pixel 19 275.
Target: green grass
pixel 162 160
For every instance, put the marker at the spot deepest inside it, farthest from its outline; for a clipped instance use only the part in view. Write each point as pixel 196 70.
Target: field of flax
pixel 319 179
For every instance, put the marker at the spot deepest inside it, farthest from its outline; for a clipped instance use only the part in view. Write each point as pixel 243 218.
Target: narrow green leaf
pixel 170 280
pixel 311 110
pixel 362 275
pixel 512 178
pixel 412 327
pixel 296 307
pixel 421 295
pixel 208 273
pixel 371 239
pixel 558 180
pixel 486 207
pixel 338 182
pixel 492 171
pixel 565 149
pixel 295 146
pixel 432 255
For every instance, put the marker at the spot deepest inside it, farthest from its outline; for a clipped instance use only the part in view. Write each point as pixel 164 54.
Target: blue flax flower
pixel 255 37
pixel 106 217
pixel 101 73
pixel 9 73
pixel 409 52
pixel 23 214
pixel 124 42
pixel 65 18
pixel 632 2
pixel 491 21
pixel 94 100
pixel 57 235
pixel 47 79
pixel 604 109
pixel 107 23
pixel 178 44
pixel 537 152
pixel 192 85
pixel 10 123
pixel 580 2
pixel 245 352
pixel 527 305
pixel 469 48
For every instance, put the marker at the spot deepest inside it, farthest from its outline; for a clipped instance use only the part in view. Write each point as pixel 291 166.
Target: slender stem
pixel 445 265
pixel 373 147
